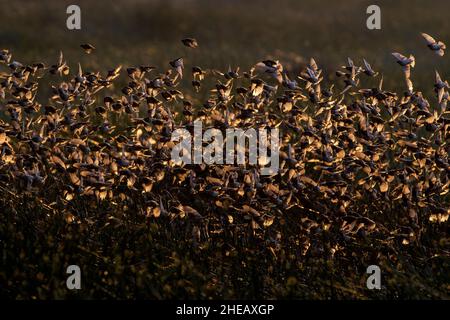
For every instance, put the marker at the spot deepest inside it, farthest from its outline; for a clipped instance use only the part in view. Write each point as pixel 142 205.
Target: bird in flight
pixel 272 67
pixel 190 42
pixel 88 48
pixel 178 65
pixel 407 63
pixel 368 69
pixel 440 86
pixel 437 47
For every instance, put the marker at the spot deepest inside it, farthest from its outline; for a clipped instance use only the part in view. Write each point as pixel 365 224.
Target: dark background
pixel 236 33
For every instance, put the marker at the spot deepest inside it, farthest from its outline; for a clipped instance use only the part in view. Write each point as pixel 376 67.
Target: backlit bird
pixel 368 69
pixel 88 48
pixel 271 67
pixel 190 42
pixel 440 86
pixel 437 47
pixel 407 64
pixel 61 67
pixel 178 65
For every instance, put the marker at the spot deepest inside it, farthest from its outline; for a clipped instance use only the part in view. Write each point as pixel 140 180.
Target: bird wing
pixel 380 85
pixel 261 67
pixel 311 73
pixel 399 56
pixel 353 75
pixel 180 71
pixel 313 64
pixel 61 58
pixel 441 94
pixel 350 62
pixel 279 77
pixel 345 90
pixel 438 77
pixel 407 70
pixel 409 84
pixel 429 39
pixel 367 65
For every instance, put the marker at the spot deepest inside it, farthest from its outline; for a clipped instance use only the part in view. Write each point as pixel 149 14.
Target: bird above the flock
pixel 437 47
pixel 190 42
pixel 406 62
pixel 87 47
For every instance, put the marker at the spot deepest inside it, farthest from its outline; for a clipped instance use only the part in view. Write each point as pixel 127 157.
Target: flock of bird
pixel 348 157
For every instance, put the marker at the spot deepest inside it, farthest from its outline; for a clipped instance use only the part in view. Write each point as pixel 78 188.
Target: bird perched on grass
pixel 437 47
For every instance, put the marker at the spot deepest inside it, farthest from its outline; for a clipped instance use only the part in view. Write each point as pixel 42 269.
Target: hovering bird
pixel 61 67
pixel 88 48
pixel 190 42
pixel 407 64
pixel 440 86
pixel 178 65
pixel 312 74
pixel 271 67
pixel 437 46
pixel 368 69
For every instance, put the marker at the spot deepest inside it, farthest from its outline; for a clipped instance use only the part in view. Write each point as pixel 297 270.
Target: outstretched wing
pixel 429 39
pixel 399 56
pixel 438 77
pixel 407 70
pixel 367 65
pixel 409 84
pixel 61 58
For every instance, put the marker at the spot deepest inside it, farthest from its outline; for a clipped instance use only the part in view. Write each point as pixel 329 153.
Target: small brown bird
pixel 440 86
pixel 437 47
pixel 368 69
pixel 272 67
pixel 190 42
pixel 88 48
pixel 178 65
